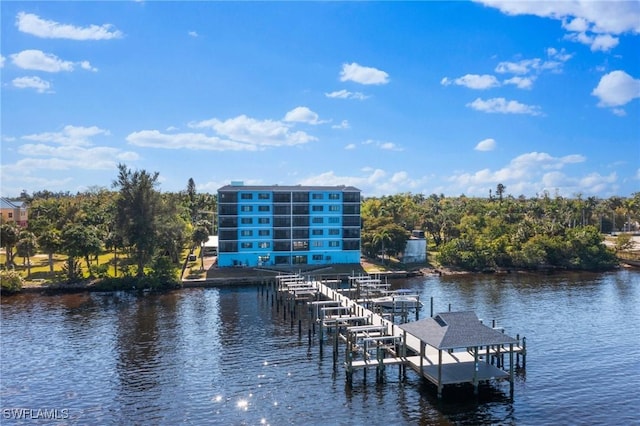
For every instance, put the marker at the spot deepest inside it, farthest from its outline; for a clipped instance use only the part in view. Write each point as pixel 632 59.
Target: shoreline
pixel 229 277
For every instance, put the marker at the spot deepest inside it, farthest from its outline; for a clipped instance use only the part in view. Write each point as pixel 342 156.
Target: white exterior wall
pixel 415 251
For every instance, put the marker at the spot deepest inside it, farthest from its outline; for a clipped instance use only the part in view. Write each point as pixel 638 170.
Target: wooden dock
pixel 449 348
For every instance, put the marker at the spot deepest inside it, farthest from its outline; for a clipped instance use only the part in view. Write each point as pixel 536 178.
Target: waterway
pixel 225 356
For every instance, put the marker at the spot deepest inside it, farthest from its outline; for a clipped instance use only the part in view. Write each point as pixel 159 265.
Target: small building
pixel 416 248
pixel 264 226
pixel 13 211
pixel 210 247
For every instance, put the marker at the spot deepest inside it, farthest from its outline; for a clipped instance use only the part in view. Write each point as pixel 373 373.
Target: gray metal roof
pixel 453 330
pixel 5 203
pixel 291 188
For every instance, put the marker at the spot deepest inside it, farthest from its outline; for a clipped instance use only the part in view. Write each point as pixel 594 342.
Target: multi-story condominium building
pixel 13 211
pixel 288 225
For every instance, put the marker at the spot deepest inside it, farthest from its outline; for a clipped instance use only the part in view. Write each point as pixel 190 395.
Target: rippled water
pixel 227 356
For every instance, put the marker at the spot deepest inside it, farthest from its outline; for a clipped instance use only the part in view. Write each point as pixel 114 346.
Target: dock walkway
pixel 405 345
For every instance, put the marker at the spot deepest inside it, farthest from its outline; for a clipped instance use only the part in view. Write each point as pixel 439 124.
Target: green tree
pixel 80 241
pixel 137 209
pixel 199 237
pixel 26 247
pixel 50 242
pixel 8 238
pixel 500 191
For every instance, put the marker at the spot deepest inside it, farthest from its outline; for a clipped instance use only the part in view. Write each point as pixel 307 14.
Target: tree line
pixel 146 230
pixel 502 231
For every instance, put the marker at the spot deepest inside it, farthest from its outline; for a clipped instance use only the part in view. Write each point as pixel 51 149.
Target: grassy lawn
pixel 41 273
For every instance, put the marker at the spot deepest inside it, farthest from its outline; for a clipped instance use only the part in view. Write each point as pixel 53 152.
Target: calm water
pixel 225 356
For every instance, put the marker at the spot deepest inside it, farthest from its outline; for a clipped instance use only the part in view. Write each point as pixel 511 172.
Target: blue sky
pixel 420 97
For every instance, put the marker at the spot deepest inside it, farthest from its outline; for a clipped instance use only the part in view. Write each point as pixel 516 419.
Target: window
pixel 317 257
pixel 300 197
pixel 282 222
pixel 247 245
pixel 301 245
pixel 352 197
pixel 282 197
pixel 334 231
pixel 246 220
pixel 264 232
pixel 334 208
pixel 282 210
pixel 263 196
pixel 317 219
pixel 246 196
pixel 334 220
pixel 317 196
pixel 334 196
pixel 10 215
pixel 301 209
pixel 263 220
pixel 264 245
pixel 316 232
pixel 317 243
pixel 300 260
pixel 334 243
pixel 264 208
pixel 317 208
pixel 246 233
pixel 246 208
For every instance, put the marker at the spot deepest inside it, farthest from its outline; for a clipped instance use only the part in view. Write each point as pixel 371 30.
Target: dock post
pixel 431 313
pixel 524 352
pixel 511 369
pixel 475 370
pixel 439 369
pixel 380 366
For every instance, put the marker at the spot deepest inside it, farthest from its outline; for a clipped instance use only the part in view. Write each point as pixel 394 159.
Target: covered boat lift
pixel 452 345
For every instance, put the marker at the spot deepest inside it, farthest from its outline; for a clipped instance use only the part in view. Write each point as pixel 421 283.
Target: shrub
pixel 10 281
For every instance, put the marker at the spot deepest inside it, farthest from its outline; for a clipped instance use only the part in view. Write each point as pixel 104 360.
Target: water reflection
pixel 227 356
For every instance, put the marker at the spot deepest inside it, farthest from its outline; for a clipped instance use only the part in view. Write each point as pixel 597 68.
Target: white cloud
pixel 521 82
pixel 345 94
pixel 594 23
pixel 372 181
pixel 193 141
pixel 344 124
pixel 302 114
pixel 616 88
pixel 486 145
pixel 530 173
pixel 70 136
pixel 2 58
pixel 241 133
pixel 350 147
pixel 258 133
pixel 193 34
pixel 37 60
pixel 32 24
pixel 473 81
pixel 69 149
pixel 32 82
pixel 363 75
pixel 387 146
pixel 503 106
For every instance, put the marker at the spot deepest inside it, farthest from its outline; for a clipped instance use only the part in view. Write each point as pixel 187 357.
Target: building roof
pixel 5 203
pixel 287 188
pixel 453 330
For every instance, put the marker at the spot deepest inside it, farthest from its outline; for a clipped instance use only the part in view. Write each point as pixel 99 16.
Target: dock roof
pixel 453 330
